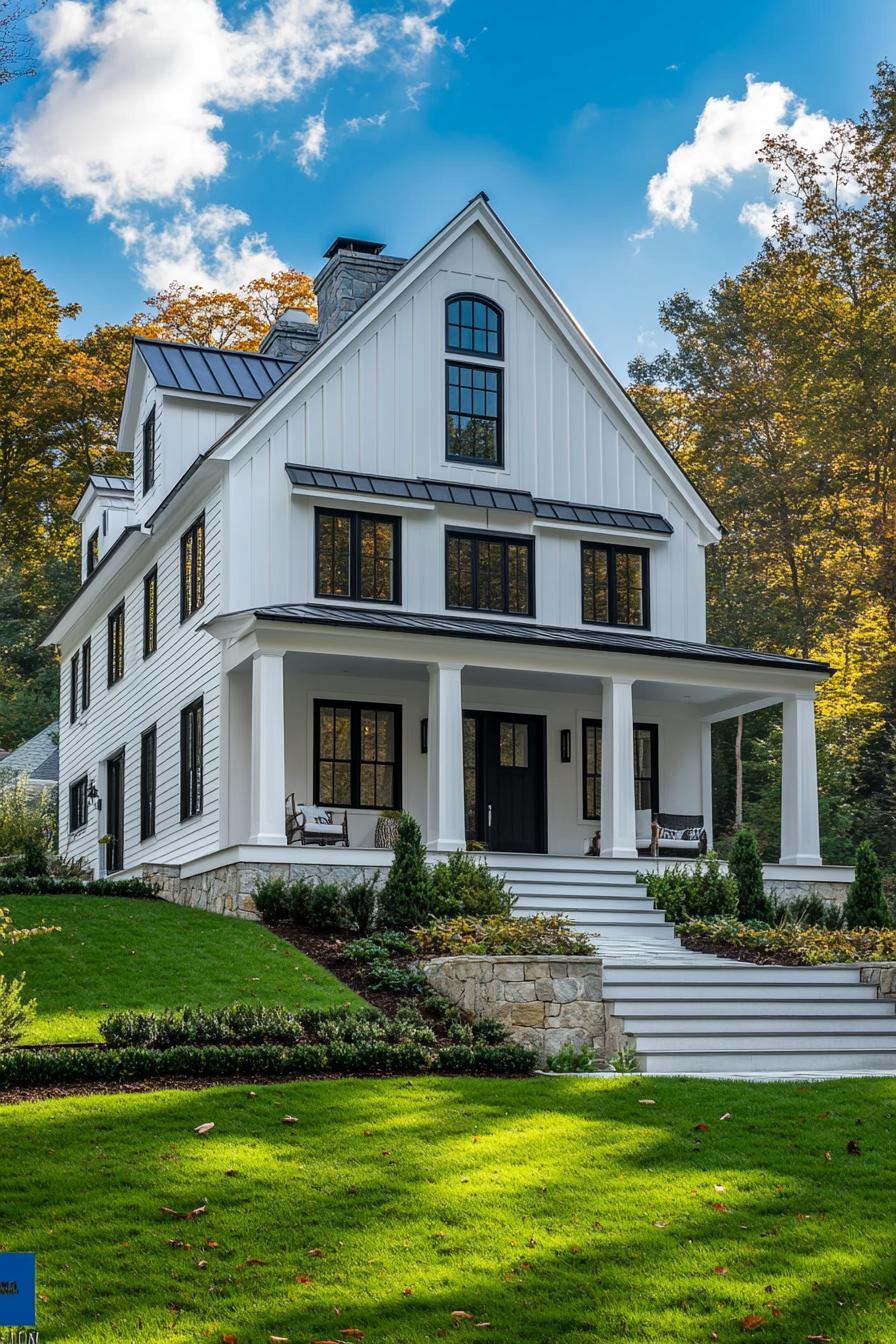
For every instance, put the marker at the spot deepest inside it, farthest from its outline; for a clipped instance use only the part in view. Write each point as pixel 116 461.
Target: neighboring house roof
pixel 235 374
pixel 448 492
pixel 38 758
pixel 609 641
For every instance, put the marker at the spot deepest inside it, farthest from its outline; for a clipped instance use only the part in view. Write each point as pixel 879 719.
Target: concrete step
pixel 761 1034
pixel 598 905
pixel 587 881
pixel 732 972
pixel 734 1010
pixel 710 993
pixel 767 1062
pixel 557 894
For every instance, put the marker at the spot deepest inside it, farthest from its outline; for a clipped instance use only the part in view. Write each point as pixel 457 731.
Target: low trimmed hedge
pixel 257 1024
pixel 500 936
pixel 74 886
pixel 36 1068
pixel 813 946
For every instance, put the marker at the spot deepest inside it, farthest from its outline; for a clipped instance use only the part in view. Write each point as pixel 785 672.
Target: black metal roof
pixel 214 372
pixel 476 496
pixel 466 627
pixel 122 484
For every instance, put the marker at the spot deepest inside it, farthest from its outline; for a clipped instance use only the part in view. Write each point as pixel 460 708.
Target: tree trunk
pixel 739 773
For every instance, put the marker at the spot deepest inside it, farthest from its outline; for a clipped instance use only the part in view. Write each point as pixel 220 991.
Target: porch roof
pixel 466 627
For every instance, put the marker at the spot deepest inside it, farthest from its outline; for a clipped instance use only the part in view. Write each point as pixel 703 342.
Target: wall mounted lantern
pixel 93 796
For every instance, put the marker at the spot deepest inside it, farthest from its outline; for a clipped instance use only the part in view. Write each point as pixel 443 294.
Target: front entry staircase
pixel 688 1012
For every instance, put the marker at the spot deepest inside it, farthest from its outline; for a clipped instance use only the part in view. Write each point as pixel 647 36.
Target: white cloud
pixel 421 29
pixel 62 28
pixel 356 124
pixel 197 247
pixel 761 216
pixel 726 140
pixel 413 92
pixel 312 141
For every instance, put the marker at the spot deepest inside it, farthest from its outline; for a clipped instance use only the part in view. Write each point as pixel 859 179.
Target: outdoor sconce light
pixel 565 745
pixel 93 796
pixel 424 736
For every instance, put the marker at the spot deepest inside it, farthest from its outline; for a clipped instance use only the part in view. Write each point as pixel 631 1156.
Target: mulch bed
pixel 327 952
pixel 734 952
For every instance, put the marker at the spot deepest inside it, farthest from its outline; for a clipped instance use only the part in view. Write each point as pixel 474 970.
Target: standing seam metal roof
pixel 212 371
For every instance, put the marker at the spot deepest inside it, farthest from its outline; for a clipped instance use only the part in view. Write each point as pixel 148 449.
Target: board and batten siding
pixel 187 664
pixel 381 409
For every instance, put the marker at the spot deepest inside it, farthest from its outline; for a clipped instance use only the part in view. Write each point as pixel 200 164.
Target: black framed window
pixel 74 689
pixel 473 403
pixel 357 556
pixel 646 773
pixel 151 612
pixel 77 804
pixel 357 755
pixel 149 451
pixel 93 550
pixel 488 573
pixel 192 568
pixel 474 326
pixel 191 760
pixel 115 640
pixel 615 585
pixel 148 783
pixel 86 655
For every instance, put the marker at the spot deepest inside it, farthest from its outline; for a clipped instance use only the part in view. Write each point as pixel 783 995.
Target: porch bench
pixel 678 833
pixel 307 825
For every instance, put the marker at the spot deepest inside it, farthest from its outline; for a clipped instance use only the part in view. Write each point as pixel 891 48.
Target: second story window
pixel 192 568
pixel 86 651
pixel 487 573
pixel 149 451
pixel 473 398
pixel 93 550
pixel 357 556
pixel 115 638
pixel 473 326
pixel 615 586
pixel 151 612
pixel 74 687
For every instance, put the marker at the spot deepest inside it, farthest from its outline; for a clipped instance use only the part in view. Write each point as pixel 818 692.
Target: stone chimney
pixel 355 270
pixel 293 336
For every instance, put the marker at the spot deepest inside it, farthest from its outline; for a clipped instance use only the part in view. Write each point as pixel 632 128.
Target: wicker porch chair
pixel 689 834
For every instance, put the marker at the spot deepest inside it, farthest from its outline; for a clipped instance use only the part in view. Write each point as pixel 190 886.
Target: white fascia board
pixel 620 535
pixel 333 498
pixel 138 372
pixel 207 398
pixel 92 492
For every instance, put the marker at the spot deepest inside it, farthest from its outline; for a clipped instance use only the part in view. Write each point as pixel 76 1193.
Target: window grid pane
pixel 474 326
pixel 629 581
pixel 473 401
pixel 488 574
pixel 356 756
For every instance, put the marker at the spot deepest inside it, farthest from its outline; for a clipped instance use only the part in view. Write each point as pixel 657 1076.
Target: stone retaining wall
pixel 542 1002
pixel 792 890
pixel 883 975
pixel 229 890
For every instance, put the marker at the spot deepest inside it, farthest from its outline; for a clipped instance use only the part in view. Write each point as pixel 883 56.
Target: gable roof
pixel 236 374
pixel 38 758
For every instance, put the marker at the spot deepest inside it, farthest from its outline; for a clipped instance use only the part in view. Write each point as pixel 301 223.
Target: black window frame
pixel 86 669
pixel 149 451
pixel 479 537
pixel 356 708
pixel 78 810
pixel 487 303
pixel 148 782
pixel 151 612
pixel 653 730
pixel 192 730
pixel 93 551
pixel 192 586
pixel 356 517
pixel 74 689
pixel 115 645
pixel 612 550
pixel 496 463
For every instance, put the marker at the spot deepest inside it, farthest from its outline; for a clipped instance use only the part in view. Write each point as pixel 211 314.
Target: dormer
pixel 105 509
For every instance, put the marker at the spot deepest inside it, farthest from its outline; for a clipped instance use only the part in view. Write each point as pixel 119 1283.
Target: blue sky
pixel 199 140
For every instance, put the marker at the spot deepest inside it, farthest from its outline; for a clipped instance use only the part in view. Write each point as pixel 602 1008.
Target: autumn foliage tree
pixel 236 319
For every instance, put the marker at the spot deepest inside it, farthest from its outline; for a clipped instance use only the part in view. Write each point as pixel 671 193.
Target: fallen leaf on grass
pixel 204 1129
pixel 278 1339
pixel 703 1128
pixel 719 1189
pixel 752 1321
pixel 290 1120
pixel 824 1337
pixel 303 1278
pixel 317 1253
pixel 853 1147
pixel 352 1332
pixel 827 1155
pixel 719 1207
pixel 483 1325
pixel 720 1269
pixel 661 1222
pixel 228 1339
pixel 253 1261
pixel 406 1292
pixel 726 1116
pixel 231 1172
pixel 202 1264
pixel 461 1316
pixel 646 1101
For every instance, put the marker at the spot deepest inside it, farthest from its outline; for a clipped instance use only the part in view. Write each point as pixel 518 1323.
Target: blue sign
pixel 17 1295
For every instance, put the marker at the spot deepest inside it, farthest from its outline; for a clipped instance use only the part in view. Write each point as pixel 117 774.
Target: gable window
pixel 191 760
pixel 357 754
pixel 357 556
pixel 150 612
pixel 115 641
pixel 474 326
pixel 77 804
pixel 149 451
pixel 148 783
pixel 86 650
pixel 488 573
pixel 93 550
pixel 647 784
pixel 192 568
pixel 473 398
pixel 615 585
pixel 74 687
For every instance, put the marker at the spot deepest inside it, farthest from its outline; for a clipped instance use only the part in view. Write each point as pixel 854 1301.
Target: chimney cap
pixel 354 245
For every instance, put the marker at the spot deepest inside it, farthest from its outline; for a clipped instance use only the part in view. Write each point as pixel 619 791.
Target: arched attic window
pixel 474 326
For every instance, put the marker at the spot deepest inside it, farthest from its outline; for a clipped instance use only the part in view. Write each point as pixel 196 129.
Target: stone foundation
pixel 542 1002
pixel 229 890
pixel 834 892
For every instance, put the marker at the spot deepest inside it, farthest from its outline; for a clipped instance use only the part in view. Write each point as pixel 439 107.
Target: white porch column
pixel 445 829
pixel 706 779
pixel 267 785
pixel 799 782
pixel 617 783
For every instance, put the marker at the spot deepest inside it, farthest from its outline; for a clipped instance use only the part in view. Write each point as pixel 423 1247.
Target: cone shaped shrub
pixel 745 866
pixel 407 898
pixel 865 905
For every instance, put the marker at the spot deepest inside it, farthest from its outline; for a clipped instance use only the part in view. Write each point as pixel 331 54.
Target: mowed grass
pixel 119 953
pixel 552 1209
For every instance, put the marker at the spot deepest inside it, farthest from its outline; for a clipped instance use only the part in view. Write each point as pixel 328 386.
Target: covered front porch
pixel 509 745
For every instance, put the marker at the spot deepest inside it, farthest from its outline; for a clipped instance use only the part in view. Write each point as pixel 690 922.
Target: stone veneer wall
pixel 542 1002
pixel 229 890
pixel 883 975
pixel 792 890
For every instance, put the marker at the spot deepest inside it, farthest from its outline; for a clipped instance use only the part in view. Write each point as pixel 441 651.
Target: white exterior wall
pixel 107 515
pixel 185 666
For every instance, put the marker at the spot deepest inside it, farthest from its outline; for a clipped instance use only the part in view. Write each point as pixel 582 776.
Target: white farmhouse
pixel 423 555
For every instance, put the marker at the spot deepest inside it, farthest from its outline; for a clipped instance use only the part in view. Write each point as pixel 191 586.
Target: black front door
pixel 504 763
pixel 115 813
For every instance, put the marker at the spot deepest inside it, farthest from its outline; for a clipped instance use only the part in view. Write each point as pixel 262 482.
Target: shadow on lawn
pixel 555 1210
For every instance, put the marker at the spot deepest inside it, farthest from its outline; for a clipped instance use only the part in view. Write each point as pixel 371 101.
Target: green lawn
pixel 118 953
pixel 556 1210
